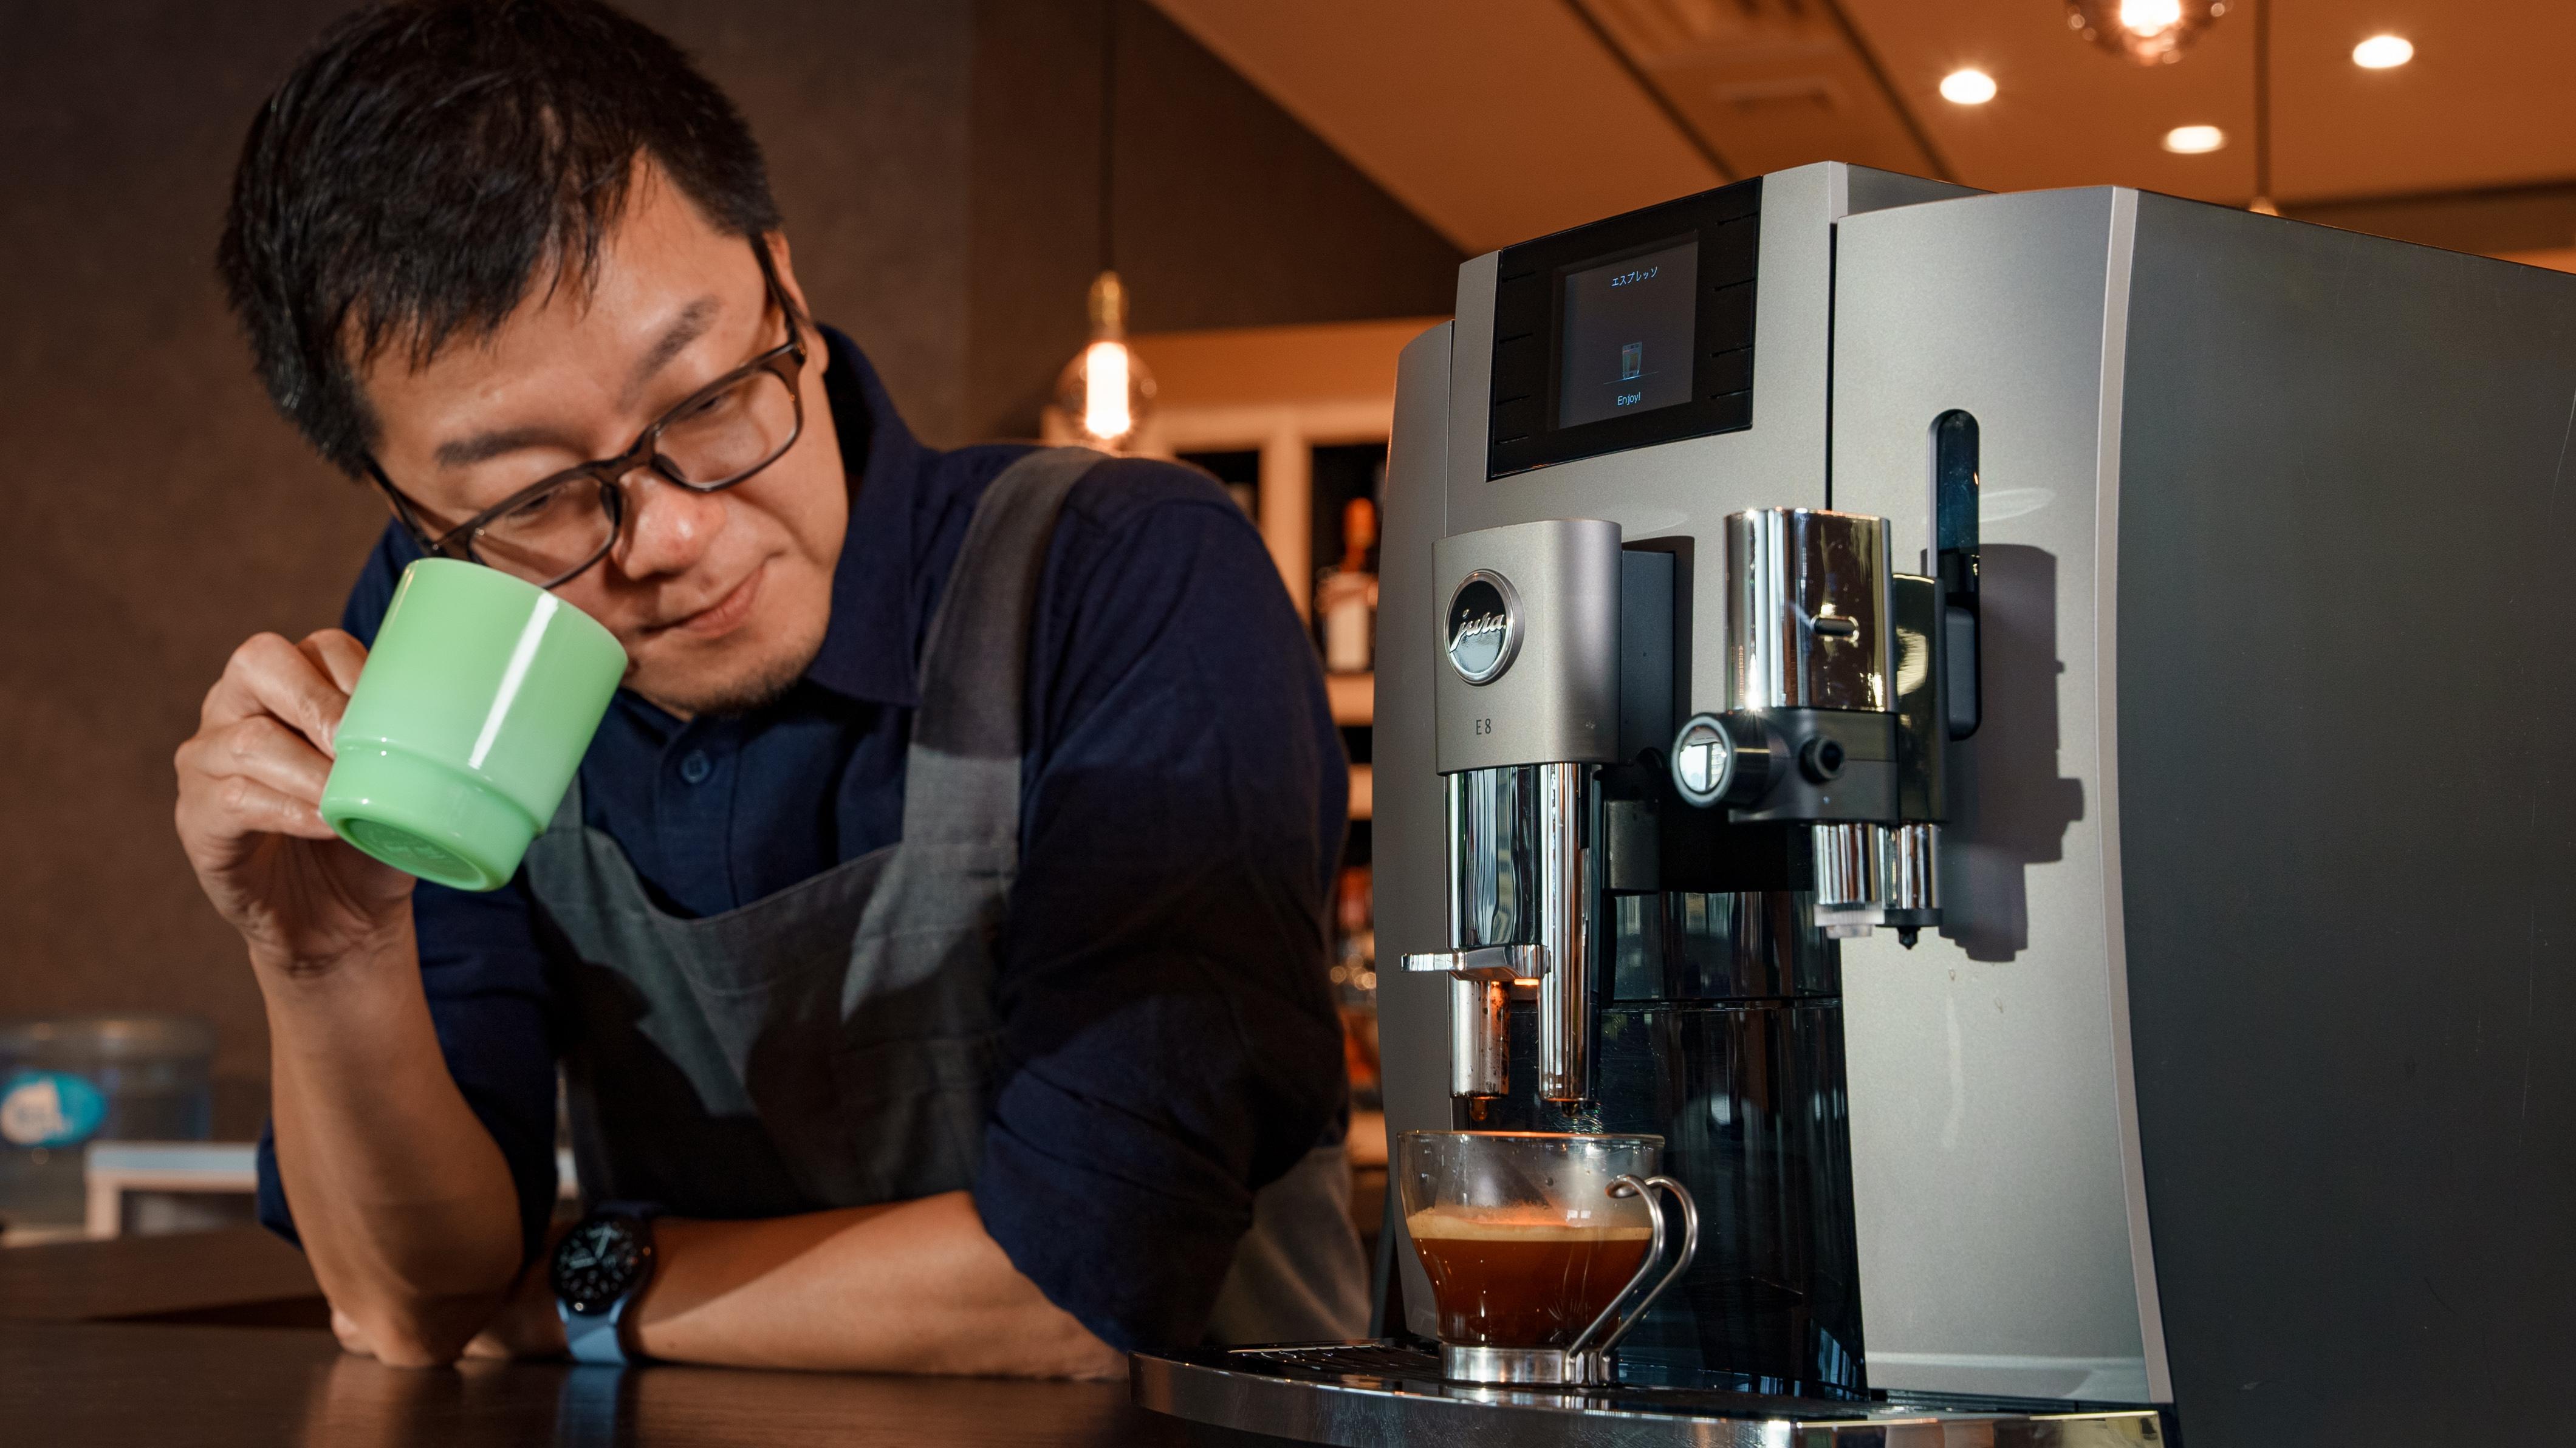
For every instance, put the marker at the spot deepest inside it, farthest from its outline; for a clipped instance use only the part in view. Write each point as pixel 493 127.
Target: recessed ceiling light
pixel 1968 87
pixel 2383 52
pixel 2194 140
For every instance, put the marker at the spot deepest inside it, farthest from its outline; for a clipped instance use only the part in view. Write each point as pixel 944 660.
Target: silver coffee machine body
pixel 2132 615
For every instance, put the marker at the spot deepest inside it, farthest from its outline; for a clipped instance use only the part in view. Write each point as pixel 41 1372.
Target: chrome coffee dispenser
pixel 2016 733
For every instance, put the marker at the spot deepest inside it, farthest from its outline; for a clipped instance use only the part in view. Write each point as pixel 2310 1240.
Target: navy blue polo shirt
pixel 1168 1044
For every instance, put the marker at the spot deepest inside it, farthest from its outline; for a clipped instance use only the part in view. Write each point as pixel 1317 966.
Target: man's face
pixel 720 598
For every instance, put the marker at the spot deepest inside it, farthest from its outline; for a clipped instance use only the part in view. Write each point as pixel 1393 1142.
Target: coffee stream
pixel 1522 1278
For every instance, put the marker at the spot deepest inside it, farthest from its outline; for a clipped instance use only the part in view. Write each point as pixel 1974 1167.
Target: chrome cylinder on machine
pixel 1807 621
pixel 1494 873
pixel 1851 865
pixel 1480 1056
pixel 1494 856
pixel 1565 930
pixel 1913 872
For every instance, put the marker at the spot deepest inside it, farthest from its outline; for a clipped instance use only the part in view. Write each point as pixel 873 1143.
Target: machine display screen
pixel 1628 334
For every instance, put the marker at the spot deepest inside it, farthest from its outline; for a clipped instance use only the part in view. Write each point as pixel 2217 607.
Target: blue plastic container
pixel 67 1082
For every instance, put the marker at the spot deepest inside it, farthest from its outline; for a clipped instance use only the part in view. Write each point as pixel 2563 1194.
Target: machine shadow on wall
pixel 2010 808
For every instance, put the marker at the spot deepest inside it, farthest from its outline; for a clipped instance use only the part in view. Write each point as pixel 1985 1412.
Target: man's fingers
pixel 240 805
pixel 263 749
pixel 338 655
pixel 268 675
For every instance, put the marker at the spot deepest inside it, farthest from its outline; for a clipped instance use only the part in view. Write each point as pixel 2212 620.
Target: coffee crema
pixel 1522 1278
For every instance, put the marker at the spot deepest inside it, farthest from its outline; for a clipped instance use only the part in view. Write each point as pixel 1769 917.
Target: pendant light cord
pixel 2263 99
pixel 1108 132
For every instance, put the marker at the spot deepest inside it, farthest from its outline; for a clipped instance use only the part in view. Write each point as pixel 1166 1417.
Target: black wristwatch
pixel 601 1265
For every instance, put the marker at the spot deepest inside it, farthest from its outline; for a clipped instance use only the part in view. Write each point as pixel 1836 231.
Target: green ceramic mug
pixel 476 705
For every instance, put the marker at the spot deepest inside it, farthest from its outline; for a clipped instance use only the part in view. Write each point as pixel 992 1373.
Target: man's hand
pixel 250 783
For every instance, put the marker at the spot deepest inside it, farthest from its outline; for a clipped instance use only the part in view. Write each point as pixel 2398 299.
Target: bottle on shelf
pixel 1346 595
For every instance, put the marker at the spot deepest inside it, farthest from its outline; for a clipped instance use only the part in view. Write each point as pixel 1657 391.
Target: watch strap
pixel 593 1338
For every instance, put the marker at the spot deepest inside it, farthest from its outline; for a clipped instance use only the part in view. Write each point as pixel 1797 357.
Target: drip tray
pixel 1367 1394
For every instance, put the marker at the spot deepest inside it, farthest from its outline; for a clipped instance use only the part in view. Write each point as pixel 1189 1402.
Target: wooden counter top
pixel 157 1374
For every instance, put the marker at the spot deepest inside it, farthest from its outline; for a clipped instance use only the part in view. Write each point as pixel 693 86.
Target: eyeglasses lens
pixel 720 439
pixel 550 534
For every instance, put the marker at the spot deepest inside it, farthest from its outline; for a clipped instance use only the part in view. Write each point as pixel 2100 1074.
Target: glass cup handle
pixel 1629 1186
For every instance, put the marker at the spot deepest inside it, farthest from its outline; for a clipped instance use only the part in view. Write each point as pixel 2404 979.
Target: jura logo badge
pixel 1484 627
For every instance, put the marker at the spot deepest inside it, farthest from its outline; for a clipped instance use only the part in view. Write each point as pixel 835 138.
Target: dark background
pixel 939 167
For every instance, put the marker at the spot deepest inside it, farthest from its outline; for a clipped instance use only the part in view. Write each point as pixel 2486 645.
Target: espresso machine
pixel 2014 732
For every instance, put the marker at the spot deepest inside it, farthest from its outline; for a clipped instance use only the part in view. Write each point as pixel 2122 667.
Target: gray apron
pixel 832 1045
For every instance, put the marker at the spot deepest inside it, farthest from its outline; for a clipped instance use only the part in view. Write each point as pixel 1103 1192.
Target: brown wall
pixel 937 166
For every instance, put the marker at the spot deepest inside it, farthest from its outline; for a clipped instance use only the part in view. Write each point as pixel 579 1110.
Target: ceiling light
pixel 2194 140
pixel 1106 392
pixel 2150 32
pixel 2383 52
pixel 1968 87
pixel 2146 17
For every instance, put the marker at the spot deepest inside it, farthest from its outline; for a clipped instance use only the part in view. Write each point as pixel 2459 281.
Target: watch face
pixel 598 1261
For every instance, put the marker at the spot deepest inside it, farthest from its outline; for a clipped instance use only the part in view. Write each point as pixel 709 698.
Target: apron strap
pixel 938 909
pixel 974 664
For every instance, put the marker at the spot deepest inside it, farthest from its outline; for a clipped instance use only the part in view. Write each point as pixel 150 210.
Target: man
pixel 931 943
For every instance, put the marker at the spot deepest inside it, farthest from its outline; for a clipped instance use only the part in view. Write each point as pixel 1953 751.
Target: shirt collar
pixel 868 644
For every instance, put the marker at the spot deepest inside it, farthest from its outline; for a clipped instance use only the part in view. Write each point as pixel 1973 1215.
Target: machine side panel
pixel 1411 829
pixel 1989 1180
pixel 2347 828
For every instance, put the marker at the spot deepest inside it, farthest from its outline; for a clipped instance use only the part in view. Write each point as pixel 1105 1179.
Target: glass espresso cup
pixel 1540 1246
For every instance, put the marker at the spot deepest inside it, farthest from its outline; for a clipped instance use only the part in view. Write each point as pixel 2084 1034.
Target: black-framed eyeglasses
pixel 553 530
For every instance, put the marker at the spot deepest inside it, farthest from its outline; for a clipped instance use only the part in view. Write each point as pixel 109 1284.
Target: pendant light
pixel 2150 32
pixel 1106 392
pixel 2262 202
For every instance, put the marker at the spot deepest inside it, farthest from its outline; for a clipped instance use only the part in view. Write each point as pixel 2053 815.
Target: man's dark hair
pixel 427 161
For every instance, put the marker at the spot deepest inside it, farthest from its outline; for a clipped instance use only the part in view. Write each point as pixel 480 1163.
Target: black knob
pixel 1821 760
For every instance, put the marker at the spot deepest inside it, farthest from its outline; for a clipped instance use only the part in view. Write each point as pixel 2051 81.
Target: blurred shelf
pixel 1354 697
pixel 43 1235
pixel 120 1173
pixel 1363 791
pixel 120 1170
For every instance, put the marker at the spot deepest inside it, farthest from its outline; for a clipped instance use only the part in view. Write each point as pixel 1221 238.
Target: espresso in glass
pixel 1526 1236
pixel 1516 1279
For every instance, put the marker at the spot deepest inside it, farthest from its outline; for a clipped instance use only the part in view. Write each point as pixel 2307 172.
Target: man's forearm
pixel 910 1287
pixel 915 1287
pixel 403 1200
